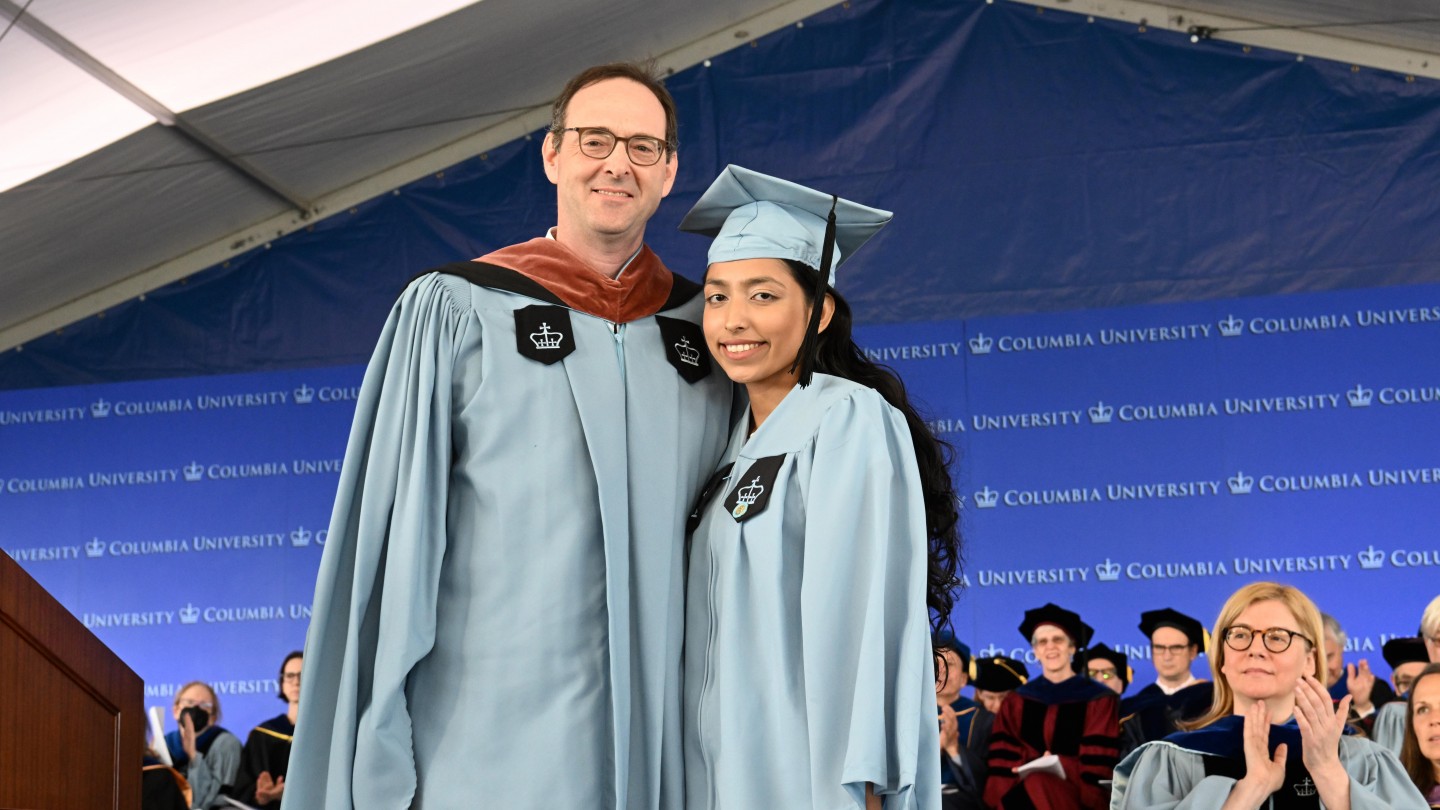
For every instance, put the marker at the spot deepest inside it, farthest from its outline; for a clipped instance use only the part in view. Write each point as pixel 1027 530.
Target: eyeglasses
pixel 1169 649
pixel 202 704
pixel 291 676
pixel 1275 639
pixel 1104 674
pixel 598 143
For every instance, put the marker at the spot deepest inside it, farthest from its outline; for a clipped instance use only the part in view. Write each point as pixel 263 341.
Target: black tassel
pixel 811 344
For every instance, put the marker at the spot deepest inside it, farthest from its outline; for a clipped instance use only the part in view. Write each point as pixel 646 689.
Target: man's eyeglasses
pixel 1275 639
pixel 598 143
pixel 1104 674
pixel 1169 649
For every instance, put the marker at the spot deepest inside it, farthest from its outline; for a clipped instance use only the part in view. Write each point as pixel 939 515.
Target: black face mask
pixel 199 718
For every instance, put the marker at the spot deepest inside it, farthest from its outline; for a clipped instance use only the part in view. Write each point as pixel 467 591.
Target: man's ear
pixel 672 167
pixel 550 156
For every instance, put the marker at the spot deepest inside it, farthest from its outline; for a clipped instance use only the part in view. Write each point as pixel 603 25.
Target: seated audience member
pixel 995 678
pixel 1109 668
pixel 964 728
pixel 267 750
pixel 1061 714
pixel 207 755
pixel 1176 696
pixel 1273 738
pixel 1421 750
pixel 1389 725
pixel 1367 693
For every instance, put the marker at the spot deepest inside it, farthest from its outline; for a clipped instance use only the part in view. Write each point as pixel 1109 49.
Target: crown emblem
pixel 194 471
pixel 981 344
pixel 1371 558
pixel 1100 413
pixel 189 614
pixel 1108 571
pixel 1231 326
pixel 95 548
pixel 100 409
pixel 1305 787
pixel 748 494
pixel 1240 483
pixel 301 537
pixel 1360 396
pixel 304 394
pixel 546 339
pixel 687 353
pixel 987 498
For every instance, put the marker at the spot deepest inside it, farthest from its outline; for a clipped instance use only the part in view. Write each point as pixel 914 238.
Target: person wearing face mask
pixel 1272 737
pixel 202 751
pixel 825 546
pixel 266 758
pixel 1060 713
pixel 1420 752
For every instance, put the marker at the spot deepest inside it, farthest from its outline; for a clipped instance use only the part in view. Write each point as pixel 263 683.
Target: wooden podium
pixel 72 724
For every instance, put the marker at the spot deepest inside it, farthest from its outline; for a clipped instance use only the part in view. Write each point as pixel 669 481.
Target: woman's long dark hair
pixel 836 354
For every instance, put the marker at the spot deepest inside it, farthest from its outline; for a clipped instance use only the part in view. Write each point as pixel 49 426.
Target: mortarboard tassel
pixel 811 344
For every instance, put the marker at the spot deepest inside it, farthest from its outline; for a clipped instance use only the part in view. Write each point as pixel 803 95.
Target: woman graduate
pixel 1272 738
pixel 1060 713
pixel 826 541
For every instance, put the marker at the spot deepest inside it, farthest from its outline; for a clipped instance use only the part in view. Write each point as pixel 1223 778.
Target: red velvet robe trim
pixel 640 291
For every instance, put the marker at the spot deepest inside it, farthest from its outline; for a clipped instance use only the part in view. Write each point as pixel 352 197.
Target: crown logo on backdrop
pixel 546 339
pixel 1100 413
pixel 987 498
pixel 1360 396
pixel 1231 327
pixel 981 344
pixel 1108 571
pixel 189 614
pixel 301 537
pixel 687 353
pixel 100 408
pixel 304 395
pixel 95 548
pixel 1240 483
pixel 747 496
pixel 1305 787
pixel 194 471
pixel 1371 558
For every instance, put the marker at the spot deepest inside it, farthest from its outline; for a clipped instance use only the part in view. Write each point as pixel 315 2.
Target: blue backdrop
pixel 1176 304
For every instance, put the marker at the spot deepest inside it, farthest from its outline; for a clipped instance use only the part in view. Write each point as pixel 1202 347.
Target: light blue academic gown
pixel 808 669
pixel 497 617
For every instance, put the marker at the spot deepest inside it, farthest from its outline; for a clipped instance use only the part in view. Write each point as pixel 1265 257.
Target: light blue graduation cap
pixel 755 216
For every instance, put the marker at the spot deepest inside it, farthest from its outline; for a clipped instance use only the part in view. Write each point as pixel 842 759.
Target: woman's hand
pixel 1264 774
pixel 1322 724
pixel 267 789
pixel 187 735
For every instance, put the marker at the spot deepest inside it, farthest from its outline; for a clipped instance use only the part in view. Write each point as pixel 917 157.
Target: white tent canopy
pixel 143 141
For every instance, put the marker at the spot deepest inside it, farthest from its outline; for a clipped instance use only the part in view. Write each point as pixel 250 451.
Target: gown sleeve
pixel 1377 779
pixel 869 677
pixel 1161 776
pixel 375 596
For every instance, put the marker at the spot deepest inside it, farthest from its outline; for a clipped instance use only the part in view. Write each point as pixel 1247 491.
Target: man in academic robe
pixel 1176 696
pixel 1367 693
pixel 964 728
pixel 994 678
pixel 1055 739
pixel 504 571
pixel 1109 668
pixel 1407 657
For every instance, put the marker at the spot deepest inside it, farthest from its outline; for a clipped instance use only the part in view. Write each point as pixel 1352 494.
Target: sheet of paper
pixel 157 735
pixel 1047 764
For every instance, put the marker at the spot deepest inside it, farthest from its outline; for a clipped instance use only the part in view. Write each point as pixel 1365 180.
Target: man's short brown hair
pixel 643 74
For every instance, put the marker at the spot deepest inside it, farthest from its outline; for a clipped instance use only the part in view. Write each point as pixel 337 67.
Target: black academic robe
pixel 1150 714
pixel 267 750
